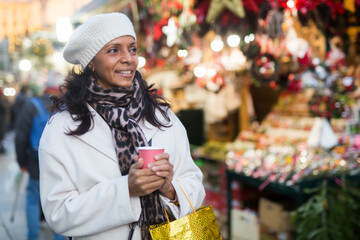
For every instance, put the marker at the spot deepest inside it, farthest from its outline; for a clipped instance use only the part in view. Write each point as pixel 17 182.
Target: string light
pixel 249 38
pixel 182 53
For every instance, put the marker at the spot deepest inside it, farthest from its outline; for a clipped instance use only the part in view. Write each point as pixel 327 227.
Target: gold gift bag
pixel 199 225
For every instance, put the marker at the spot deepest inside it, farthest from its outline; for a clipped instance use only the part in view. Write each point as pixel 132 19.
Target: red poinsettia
pixel 158 26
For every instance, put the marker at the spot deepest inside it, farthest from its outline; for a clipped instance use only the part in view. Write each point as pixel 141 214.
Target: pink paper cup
pixel 148 154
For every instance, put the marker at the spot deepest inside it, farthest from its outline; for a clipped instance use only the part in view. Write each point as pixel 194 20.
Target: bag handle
pixel 188 201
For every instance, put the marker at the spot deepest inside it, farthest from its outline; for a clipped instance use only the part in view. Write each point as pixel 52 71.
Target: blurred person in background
pixel 92 183
pixel 19 102
pixel 3 120
pixel 27 155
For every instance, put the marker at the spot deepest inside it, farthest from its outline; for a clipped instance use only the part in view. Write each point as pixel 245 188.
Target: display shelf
pixel 295 191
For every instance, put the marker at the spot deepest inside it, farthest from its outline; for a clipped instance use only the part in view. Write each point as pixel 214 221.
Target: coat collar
pixel 100 136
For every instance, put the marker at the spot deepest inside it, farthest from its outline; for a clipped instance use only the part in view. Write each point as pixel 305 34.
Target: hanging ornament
pixel 218 6
pixel 265 69
pixel 187 17
pixel 171 31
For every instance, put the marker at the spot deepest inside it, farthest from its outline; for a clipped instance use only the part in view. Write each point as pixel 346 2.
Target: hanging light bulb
pixel 217 44
pixel 142 62
pixel 290 3
pixel 233 40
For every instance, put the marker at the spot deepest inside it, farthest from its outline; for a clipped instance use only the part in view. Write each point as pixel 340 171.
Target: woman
pixel 91 181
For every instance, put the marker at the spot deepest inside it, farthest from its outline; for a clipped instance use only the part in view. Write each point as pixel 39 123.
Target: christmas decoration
pixel 332 212
pixel 171 31
pixel 264 68
pixel 322 135
pixel 329 105
pixel 218 6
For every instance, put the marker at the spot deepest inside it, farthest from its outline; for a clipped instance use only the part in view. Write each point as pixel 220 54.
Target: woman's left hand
pixel 163 168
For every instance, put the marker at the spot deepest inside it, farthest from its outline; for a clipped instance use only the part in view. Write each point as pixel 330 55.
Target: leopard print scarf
pixel 121 108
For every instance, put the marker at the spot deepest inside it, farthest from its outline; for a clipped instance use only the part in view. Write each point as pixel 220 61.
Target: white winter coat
pixel 83 193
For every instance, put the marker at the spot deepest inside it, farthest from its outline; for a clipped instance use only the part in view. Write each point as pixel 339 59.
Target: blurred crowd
pixel 9 111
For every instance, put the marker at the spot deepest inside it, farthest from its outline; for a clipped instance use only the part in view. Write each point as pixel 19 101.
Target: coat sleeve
pixel 79 196
pixel 187 175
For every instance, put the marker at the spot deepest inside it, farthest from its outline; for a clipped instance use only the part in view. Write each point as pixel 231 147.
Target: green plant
pixel 331 213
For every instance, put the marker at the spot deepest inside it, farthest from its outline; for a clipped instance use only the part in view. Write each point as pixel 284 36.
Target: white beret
pixel 88 39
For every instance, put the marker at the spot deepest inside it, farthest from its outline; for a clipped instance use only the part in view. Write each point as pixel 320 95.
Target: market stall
pixel 278 84
pixel 269 92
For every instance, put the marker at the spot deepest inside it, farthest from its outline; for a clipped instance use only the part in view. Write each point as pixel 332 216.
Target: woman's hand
pixel 163 168
pixel 143 181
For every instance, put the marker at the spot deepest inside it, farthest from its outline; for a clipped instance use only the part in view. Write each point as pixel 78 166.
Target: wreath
pixel 329 106
pixel 265 68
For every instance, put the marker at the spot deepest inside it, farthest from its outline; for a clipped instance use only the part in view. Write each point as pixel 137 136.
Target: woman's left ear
pixel 91 67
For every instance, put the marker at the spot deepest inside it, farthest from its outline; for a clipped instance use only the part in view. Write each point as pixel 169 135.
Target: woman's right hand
pixel 143 181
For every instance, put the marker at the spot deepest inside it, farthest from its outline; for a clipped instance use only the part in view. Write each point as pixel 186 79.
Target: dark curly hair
pixel 74 93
